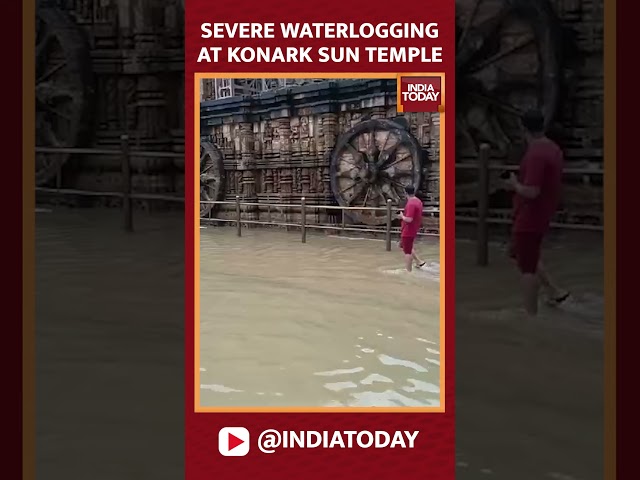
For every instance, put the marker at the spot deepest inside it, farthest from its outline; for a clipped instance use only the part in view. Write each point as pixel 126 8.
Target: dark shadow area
pixel 109 305
pixel 110 345
pixel 530 392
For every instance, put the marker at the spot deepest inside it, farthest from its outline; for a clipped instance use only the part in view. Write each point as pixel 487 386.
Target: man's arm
pixel 412 212
pixel 406 219
pixel 527 191
pixel 529 188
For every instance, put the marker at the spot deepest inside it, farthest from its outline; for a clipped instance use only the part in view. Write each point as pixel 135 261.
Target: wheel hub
pixel 372 173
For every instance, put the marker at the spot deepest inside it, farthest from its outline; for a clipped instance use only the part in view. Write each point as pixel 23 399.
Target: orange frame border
pixel 196 270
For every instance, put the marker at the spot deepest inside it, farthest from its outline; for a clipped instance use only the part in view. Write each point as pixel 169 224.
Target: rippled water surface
pixel 110 343
pixel 333 322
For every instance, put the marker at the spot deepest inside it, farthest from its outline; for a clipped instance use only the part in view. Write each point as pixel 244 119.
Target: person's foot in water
pixel 558 299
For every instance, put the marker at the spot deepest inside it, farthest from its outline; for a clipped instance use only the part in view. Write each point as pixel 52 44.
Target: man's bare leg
pixel 408 262
pixel 530 287
pixel 417 259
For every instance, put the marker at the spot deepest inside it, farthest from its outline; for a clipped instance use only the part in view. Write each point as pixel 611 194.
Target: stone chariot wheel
pixel 372 163
pixel 63 93
pixel 507 61
pixel 211 177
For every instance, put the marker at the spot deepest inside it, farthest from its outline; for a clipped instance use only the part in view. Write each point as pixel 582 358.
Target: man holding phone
pixel 536 197
pixel 411 220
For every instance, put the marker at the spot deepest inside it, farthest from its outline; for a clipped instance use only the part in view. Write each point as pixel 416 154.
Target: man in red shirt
pixel 411 221
pixel 537 194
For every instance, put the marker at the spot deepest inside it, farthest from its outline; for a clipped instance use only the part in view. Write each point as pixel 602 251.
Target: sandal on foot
pixel 560 299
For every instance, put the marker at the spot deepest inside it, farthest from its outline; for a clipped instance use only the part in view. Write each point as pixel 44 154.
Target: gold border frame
pixel 196 248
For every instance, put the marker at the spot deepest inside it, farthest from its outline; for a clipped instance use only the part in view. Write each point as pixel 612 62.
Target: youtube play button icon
pixel 233 441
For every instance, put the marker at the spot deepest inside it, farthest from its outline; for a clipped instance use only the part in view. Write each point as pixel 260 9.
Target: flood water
pixel 110 345
pixel 333 322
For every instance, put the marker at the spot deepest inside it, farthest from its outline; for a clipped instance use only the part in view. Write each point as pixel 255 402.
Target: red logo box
pixel 420 94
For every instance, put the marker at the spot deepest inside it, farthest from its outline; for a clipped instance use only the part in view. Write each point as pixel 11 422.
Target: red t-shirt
pixel 541 167
pixel 412 209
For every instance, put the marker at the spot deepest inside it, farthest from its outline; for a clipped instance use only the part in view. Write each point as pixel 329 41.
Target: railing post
pixel 238 216
pixel 126 184
pixel 483 206
pixel 303 219
pixel 389 220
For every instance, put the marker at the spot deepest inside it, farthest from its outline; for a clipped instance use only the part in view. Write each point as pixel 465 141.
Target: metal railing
pixel 125 153
pixel 482 219
pixel 303 209
pixel 484 167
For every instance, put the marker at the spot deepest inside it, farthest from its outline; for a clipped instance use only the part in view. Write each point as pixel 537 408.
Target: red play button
pixel 234 441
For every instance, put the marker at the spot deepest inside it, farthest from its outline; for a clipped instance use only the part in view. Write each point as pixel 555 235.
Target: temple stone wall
pixel 277 145
pixel 136 49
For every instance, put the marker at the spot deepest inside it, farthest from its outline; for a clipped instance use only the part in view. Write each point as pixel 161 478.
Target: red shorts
pixel 525 249
pixel 406 244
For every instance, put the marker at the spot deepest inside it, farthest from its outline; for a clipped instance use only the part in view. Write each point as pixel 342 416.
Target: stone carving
pixel 129 97
pixel 282 158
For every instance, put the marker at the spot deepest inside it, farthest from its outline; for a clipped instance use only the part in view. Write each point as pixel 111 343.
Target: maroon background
pixel 420 106
pixel 11 353
pixel 434 455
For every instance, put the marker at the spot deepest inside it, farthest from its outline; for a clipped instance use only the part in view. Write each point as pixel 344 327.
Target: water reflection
pixel 317 324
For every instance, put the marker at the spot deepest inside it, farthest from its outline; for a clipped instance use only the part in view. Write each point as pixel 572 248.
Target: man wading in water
pixel 536 197
pixel 411 221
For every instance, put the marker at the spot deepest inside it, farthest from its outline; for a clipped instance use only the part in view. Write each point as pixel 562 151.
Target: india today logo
pixel 233 441
pixel 420 94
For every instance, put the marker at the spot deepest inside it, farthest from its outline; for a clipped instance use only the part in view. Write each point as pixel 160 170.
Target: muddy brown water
pixel 110 358
pixel 333 322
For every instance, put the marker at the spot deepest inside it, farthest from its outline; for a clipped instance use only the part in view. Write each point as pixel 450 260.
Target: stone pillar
pixel 247 166
pixel 286 174
pixel 284 141
pixel 329 131
pixel 330 136
pixel 143 35
pixel 152 126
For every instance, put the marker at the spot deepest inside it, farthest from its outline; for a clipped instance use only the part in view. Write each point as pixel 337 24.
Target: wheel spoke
pixel 208 178
pixel 388 156
pixel 397 160
pixel 50 72
pixel 47 92
pixel 346 173
pixel 469 22
pixel 497 103
pixel 500 55
pixel 477 36
pixel 42 46
pixel 373 141
pixel 364 202
pixel 515 82
pixel 355 153
pixel 348 188
pixel 357 192
pixel 56 112
pixel 50 138
pixel 208 166
pixel 402 173
pixel 386 140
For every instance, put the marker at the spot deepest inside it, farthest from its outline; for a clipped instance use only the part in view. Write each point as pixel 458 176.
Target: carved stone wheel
pixel 507 61
pixel 372 163
pixel 63 77
pixel 211 177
